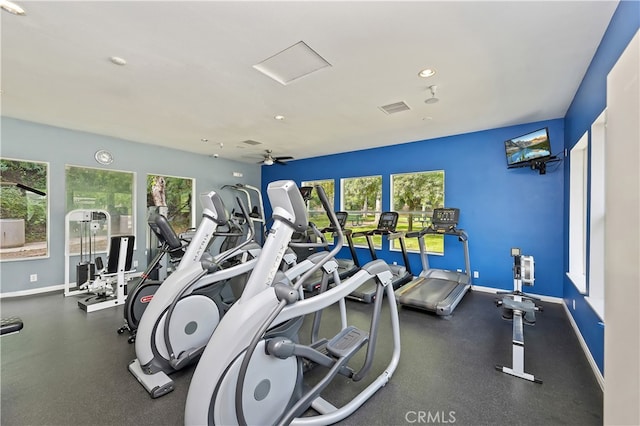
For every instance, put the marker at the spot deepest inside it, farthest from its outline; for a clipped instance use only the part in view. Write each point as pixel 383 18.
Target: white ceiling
pixel 190 75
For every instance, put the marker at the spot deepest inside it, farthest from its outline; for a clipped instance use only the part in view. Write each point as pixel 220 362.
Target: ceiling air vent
pixel 292 63
pixel 395 107
pixel 251 142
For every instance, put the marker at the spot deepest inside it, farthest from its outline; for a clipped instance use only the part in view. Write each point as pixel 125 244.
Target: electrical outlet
pixel 574 304
pixel 33 278
pixel 135 263
pixel 476 274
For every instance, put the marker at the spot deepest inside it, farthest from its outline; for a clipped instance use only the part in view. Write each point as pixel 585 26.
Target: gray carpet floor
pixel 67 367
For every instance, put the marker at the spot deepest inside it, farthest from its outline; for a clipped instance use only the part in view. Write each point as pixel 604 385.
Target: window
pixel 316 212
pixel 578 166
pixel 596 217
pixel 24 209
pixel 414 196
pixel 106 190
pixel 176 195
pixel 362 200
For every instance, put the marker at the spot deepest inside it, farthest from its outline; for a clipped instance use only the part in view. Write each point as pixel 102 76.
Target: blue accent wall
pixel 587 105
pixel 500 208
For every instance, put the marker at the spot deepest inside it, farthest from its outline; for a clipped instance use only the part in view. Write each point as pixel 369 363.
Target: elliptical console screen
pixel 445 217
pixel 388 221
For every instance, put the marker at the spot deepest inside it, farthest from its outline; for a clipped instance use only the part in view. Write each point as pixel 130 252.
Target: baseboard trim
pixel 585 348
pixel 32 292
pixel 492 290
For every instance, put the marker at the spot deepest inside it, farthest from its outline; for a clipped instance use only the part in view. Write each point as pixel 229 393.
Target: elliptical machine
pixel 187 307
pixel 254 373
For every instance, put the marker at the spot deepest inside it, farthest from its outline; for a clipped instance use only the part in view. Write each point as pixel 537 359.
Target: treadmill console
pixel 306 191
pixel 445 219
pixel 342 219
pixel 388 221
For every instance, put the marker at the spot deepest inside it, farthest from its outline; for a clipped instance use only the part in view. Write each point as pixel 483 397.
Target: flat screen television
pixel 526 149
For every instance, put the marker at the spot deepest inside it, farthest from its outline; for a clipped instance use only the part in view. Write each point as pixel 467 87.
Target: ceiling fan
pixel 270 160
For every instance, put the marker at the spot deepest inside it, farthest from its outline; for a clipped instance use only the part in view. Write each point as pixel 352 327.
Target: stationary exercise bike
pixel 173 246
pixel 253 368
pixel 170 245
pixel 520 308
pixel 187 307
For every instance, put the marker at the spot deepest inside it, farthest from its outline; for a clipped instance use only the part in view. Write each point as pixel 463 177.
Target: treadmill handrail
pixel 429 230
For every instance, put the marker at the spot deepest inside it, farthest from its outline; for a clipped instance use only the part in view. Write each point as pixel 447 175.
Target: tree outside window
pixel 362 200
pixel 415 196
pixel 316 212
pixel 23 212
pixel 175 194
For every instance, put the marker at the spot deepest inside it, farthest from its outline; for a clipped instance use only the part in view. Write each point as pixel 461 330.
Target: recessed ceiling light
pixel 427 72
pixel 12 7
pixel 279 117
pixel 205 140
pixel 117 60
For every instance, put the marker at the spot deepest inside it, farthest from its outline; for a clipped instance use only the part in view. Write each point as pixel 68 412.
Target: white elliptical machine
pixel 186 308
pixel 252 370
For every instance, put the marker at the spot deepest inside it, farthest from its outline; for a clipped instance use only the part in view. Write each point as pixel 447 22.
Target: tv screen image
pixel 526 148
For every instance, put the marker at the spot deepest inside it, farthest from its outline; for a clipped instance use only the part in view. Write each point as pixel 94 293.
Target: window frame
pixel 47 214
pixel 578 196
pixel 131 231
pixel 597 206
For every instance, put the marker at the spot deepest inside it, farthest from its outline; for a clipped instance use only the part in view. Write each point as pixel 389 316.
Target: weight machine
pixel 86 224
pixel 105 287
pixel 109 288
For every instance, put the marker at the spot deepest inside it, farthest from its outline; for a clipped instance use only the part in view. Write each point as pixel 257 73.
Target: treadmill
pixel 438 290
pixel 401 274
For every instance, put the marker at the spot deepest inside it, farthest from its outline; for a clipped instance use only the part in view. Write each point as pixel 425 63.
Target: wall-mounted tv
pixel 524 150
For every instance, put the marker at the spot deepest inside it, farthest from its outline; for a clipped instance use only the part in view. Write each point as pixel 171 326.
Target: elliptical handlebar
pixel 336 248
pixel 323 243
pixel 211 265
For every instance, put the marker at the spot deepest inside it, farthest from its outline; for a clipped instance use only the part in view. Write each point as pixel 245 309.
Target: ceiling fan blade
pixel 283 158
pixel 278 161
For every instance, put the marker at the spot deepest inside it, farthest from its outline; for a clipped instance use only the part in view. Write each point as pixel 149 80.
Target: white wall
pixel 25 140
pixel 622 241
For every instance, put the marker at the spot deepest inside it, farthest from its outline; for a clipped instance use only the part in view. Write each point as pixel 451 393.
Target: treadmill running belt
pixel 426 294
